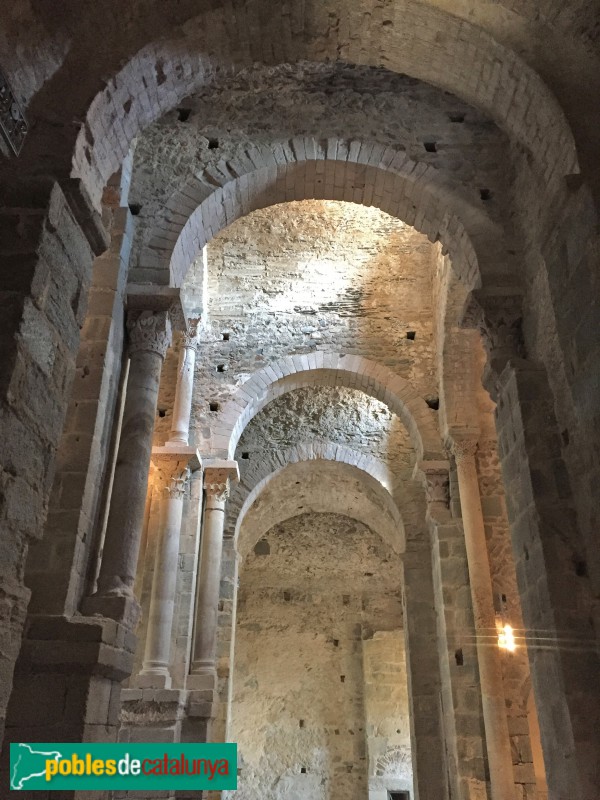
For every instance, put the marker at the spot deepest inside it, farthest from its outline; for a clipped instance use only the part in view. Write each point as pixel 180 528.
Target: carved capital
pixel 437 487
pixel 217 476
pixel 149 331
pixel 501 319
pixel 190 337
pixel 434 476
pixel 172 467
pixel 463 449
pixel 216 484
pixel 175 484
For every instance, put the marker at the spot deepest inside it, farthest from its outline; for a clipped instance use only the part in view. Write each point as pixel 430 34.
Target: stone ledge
pixel 84 644
pixel 123 610
pixel 145 695
pixel 177 452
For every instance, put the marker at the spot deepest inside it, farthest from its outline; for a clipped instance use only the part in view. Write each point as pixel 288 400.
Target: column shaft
pixel 423 671
pixel 209 579
pixel 216 484
pixel 182 407
pixel 490 666
pixel 162 600
pixel 149 338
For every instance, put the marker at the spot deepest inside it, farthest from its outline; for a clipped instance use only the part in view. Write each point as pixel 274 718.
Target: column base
pixel 152 715
pixel 204 680
pixel 152 680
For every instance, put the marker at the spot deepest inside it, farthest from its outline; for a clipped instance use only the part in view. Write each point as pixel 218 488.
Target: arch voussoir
pixel 327 369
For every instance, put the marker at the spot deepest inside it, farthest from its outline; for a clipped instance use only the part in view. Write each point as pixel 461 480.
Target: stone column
pixel 155 669
pixel 174 461
pixel 149 337
pixel 182 407
pixel 216 483
pixel 488 654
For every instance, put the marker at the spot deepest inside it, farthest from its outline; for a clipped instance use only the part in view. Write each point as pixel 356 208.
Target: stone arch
pixel 327 369
pixel 197 49
pixel 469 63
pixel 381 513
pixel 316 450
pixel 332 169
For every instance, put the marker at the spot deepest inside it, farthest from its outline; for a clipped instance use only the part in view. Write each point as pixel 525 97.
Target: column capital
pixel 436 478
pixel 217 477
pixel 173 482
pixel 148 331
pixel 463 447
pixel 190 337
pixel 173 467
pixel 498 313
pixel 216 484
pixel 147 297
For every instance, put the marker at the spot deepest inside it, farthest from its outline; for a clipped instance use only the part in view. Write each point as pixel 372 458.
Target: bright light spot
pixel 506 639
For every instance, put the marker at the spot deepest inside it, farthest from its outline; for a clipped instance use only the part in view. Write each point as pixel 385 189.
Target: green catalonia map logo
pixel 63 766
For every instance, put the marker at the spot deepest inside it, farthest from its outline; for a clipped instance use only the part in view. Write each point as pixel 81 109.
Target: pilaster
pixel 488 655
pixel 466 763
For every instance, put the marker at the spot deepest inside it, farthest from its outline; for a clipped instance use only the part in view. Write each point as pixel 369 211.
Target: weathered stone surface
pixel 332 344
pixel 309 688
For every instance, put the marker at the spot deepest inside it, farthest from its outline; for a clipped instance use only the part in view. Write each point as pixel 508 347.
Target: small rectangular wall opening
pixel 394 795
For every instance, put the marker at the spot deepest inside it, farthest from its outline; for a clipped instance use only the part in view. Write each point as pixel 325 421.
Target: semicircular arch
pixel 332 487
pixel 354 171
pixel 327 369
pixel 315 450
pixel 468 62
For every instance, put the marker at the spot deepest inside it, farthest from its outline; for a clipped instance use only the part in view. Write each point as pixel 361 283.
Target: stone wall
pixel 59 567
pixel 315 587
pixel 46 262
pixel 561 331
pixel 305 277
pixel 225 129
